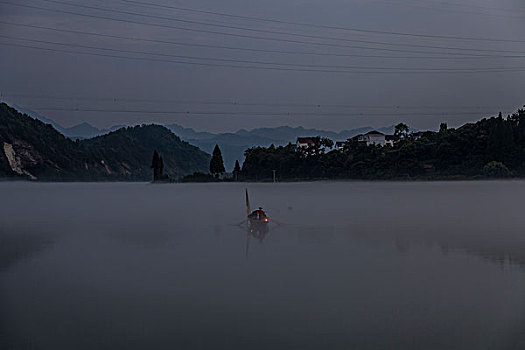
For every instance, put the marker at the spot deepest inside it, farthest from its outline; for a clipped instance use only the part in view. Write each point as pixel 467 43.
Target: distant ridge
pixel 80 131
pixel 232 144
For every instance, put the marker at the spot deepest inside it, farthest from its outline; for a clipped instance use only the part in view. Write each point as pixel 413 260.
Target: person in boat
pixel 258 215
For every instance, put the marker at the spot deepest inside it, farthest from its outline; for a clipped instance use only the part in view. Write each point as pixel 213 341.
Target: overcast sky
pixel 350 63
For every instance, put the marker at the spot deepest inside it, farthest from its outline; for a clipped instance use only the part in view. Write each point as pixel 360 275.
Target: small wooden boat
pixel 257 216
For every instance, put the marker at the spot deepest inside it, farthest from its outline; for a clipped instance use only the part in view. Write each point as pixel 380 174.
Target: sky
pixel 221 66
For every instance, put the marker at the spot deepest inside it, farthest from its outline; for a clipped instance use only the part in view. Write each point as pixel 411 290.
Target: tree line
pixel 492 147
pixel 216 170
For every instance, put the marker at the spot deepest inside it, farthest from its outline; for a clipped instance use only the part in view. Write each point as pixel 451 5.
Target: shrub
pixel 496 169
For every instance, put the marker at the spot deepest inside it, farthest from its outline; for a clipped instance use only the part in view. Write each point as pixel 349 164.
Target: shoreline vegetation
pixel 207 178
pixel 492 148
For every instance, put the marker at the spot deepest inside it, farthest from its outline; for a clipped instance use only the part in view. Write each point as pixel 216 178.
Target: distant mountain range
pixel 232 145
pixel 30 148
pixel 80 131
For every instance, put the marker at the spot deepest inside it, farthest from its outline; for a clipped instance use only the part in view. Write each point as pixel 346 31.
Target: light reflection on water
pixel 342 265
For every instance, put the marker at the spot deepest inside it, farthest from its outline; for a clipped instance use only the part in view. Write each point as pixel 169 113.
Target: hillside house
pixel 305 142
pixel 390 139
pixel 373 138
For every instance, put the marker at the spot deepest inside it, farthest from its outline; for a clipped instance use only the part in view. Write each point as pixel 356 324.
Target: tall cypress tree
pixel 155 165
pixel 236 170
pixel 216 163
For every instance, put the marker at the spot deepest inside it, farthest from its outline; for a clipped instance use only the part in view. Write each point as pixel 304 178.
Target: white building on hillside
pixel 390 139
pixel 373 138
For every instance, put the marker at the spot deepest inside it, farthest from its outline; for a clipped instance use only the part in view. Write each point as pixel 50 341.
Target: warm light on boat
pixel 266 219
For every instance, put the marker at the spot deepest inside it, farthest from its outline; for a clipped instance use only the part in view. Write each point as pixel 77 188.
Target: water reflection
pixel 488 246
pixel 356 266
pixel 315 234
pixel 145 233
pixel 258 230
pixel 16 246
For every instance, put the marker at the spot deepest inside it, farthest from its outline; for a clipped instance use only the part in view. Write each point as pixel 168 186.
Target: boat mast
pixel 248 211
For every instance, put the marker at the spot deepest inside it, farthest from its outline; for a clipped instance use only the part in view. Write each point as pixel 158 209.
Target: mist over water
pixel 368 265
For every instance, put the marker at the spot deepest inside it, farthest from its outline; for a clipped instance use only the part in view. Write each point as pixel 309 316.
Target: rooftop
pixel 374 132
pixel 305 140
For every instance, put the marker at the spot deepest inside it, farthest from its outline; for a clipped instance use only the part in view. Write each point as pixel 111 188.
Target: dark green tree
pixel 161 166
pixel 319 146
pixel 155 165
pixel 326 142
pixel 216 163
pixel 443 127
pixel 496 169
pixel 500 140
pixel 236 170
pixel 401 131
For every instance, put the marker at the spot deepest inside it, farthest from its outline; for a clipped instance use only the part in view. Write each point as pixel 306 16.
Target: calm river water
pixel 344 265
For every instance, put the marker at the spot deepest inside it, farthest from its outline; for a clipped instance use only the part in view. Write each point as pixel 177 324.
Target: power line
pixel 495 70
pixel 302 24
pixel 251 113
pixel 419 6
pixel 468 5
pixel 259 37
pixel 239 103
pixel 195 63
pixel 177 43
pixel 336 67
pixel 267 31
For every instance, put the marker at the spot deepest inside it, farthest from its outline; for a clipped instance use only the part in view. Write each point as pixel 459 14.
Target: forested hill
pixel 493 147
pixel 129 150
pixel 32 149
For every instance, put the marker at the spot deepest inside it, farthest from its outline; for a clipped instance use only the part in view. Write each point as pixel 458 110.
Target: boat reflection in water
pixel 258 223
pixel 258 226
pixel 258 230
